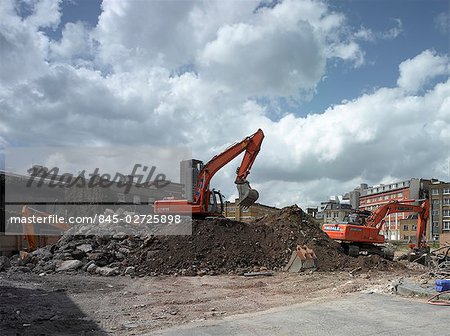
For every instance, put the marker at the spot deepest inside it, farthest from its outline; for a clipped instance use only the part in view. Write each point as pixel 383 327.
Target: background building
pixel 408 228
pixel 376 196
pixel 74 201
pixel 256 210
pixel 333 211
pixel 353 197
pixel 312 211
pixel 399 226
pixel 440 211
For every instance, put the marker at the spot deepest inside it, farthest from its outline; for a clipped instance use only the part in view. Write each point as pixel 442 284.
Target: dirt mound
pixel 223 245
pixel 375 262
pixel 216 246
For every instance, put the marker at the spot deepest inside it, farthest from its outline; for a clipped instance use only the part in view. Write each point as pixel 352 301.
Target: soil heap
pixel 216 246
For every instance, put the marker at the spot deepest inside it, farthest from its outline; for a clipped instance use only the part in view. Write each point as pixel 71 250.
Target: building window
pixel 446 201
pixel 436 202
pixel 435 213
pixel 405 228
pixel 121 197
pixel 446 225
pixel 446 213
pixel 328 214
pixel 386 197
pixel 446 191
pixel 434 191
pixel 414 227
pixel 400 194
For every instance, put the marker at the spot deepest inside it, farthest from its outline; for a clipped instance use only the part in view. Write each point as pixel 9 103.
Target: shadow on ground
pixel 39 312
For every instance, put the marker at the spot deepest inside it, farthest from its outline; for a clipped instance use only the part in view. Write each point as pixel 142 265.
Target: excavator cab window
pixel 215 202
pixel 355 219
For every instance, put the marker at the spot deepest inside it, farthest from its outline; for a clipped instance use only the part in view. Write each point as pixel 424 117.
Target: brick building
pixel 408 228
pixel 256 210
pixel 440 210
pixel 372 198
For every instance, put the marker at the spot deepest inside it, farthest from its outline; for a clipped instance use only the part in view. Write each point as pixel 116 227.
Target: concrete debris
pixel 4 263
pixel 85 247
pixel 130 270
pixel 92 268
pixel 216 246
pixel 107 271
pixel 69 265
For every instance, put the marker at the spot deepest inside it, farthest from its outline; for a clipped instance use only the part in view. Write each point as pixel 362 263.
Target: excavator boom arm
pixel 376 219
pixel 204 202
pixel 251 145
pixel 251 151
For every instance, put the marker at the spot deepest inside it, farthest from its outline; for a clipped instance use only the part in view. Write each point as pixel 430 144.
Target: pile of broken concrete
pixel 101 255
pixel 216 246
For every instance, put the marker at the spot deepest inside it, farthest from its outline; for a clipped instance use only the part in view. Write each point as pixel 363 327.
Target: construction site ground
pixel 360 314
pixel 74 304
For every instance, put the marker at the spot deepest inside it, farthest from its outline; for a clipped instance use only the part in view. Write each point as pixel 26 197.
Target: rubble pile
pixel 216 246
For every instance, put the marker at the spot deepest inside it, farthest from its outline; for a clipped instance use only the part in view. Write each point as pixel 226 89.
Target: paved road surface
pixel 357 315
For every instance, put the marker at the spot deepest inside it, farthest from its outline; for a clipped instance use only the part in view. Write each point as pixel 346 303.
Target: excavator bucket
pixel 302 259
pixel 247 195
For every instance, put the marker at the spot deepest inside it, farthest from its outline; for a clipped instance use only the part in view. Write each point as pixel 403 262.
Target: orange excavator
pixel 209 203
pixel 360 232
pixel 29 231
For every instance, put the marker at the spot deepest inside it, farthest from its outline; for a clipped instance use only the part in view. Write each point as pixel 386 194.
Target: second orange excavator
pixel 206 202
pixel 360 232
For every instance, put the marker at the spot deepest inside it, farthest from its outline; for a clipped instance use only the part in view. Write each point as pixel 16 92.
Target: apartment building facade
pixel 440 211
pixel 333 211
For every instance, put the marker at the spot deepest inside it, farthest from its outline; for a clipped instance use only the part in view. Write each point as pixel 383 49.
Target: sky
pixel 346 92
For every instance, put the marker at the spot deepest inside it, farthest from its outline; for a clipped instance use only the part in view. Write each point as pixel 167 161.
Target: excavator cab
pixel 215 205
pixel 247 195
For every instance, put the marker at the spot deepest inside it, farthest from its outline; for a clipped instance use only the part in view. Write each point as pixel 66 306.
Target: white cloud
pixel 393 32
pixel 281 51
pixel 350 51
pixel 53 93
pixel 277 51
pixel 416 72
pixel 75 44
pixel 45 13
pixel 167 33
pixel 23 49
pixel 367 34
pixel 241 58
pixel 442 22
